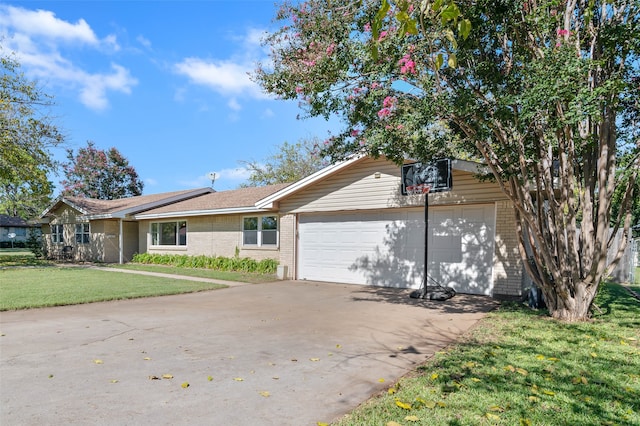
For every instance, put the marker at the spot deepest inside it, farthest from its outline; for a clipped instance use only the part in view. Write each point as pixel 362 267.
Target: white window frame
pixel 83 230
pixel 155 236
pixel 259 231
pixel 57 234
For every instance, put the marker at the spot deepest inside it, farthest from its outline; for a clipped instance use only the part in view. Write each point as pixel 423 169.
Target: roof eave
pixel 270 201
pixel 204 212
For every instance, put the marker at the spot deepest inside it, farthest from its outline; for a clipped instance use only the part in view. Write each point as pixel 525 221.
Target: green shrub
pixel 218 263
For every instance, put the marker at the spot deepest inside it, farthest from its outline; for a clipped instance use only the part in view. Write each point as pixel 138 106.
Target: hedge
pixel 219 263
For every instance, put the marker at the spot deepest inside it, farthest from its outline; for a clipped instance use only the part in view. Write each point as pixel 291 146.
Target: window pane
pixel 168 234
pixel 270 237
pixel 269 222
pixel 250 224
pixel 250 237
pixel 154 234
pixel 182 233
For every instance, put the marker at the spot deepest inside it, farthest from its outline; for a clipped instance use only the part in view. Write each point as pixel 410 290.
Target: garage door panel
pixel 387 248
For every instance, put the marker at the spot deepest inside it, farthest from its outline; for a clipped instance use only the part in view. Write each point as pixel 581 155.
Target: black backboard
pixel 436 174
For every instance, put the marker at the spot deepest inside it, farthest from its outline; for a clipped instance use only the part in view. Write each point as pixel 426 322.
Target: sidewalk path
pixel 174 276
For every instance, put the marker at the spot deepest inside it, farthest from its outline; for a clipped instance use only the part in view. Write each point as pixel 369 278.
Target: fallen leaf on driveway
pixel 238 379
pixel 154 378
pixel 314 359
pixel 147 358
pixel 266 394
pixel 98 361
pixel 209 378
pixel 167 376
pixel 185 385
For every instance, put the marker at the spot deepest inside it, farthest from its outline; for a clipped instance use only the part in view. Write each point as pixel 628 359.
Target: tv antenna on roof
pixel 212 176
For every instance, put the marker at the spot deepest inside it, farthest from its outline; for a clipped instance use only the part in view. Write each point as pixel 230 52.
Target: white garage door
pixel 387 248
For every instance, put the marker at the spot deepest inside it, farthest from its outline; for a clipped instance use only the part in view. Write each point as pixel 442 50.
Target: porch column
pixel 120 243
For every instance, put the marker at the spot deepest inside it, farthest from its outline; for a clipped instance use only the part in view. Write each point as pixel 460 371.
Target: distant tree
pixel 105 175
pixel 290 163
pixel 27 134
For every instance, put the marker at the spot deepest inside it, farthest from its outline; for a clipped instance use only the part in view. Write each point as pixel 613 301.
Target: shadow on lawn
pixel 588 368
pixel 14 261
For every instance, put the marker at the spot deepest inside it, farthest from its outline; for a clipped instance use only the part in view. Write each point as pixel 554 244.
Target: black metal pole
pixel 425 279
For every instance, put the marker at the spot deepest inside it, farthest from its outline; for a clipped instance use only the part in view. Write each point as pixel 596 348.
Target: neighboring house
pixel 101 230
pixel 16 227
pixel 347 223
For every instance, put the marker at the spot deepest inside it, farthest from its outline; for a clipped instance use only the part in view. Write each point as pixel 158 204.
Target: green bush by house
pixel 219 263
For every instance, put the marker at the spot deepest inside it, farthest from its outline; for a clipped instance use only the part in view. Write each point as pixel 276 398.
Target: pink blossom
pixel 355 132
pixel 562 32
pixel 407 66
pixel 367 27
pixel 298 90
pixel 330 49
pixel 383 34
pixel 309 63
pixel 389 102
pixel 375 85
pixel 384 112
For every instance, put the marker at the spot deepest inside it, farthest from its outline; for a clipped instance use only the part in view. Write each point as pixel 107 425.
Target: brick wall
pixel 508 270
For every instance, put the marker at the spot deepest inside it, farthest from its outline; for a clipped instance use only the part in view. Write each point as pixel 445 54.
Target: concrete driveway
pixel 285 353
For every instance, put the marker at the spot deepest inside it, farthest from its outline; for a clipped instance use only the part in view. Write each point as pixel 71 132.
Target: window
pixel 82 233
pixel 169 233
pixel 57 234
pixel 260 231
pixel 20 232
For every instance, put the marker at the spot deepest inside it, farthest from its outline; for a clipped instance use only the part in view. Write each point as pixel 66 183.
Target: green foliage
pixel 518 368
pixel 544 93
pixel 34 243
pixel 27 136
pixel 219 263
pixel 104 175
pixel 290 163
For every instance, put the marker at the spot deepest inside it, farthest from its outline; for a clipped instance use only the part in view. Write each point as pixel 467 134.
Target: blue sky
pixel 165 82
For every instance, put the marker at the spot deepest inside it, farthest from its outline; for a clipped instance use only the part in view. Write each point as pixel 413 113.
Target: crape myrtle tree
pixel 104 175
pixel 27 134
pixel 291 162
pixel 539 90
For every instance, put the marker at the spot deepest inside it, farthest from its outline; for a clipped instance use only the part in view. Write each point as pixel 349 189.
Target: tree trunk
pixel 570 306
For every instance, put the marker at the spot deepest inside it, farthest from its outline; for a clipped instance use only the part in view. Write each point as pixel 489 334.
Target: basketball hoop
pixel 418 189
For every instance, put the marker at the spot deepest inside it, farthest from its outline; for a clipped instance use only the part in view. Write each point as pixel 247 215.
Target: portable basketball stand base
pixel 434 292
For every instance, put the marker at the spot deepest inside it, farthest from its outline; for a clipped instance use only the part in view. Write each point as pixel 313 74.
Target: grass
pixel 23 288
pixel 200 273
pixel 518 367
pixel 20 257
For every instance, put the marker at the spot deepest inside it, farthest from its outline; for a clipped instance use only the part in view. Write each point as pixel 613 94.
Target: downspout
pixel 120 244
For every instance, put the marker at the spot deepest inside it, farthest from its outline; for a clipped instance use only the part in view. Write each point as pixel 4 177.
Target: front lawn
pixel 518 367
pixel 37 287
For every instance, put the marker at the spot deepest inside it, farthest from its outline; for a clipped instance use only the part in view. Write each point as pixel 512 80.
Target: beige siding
pixel 288 241
pixel 508 268
pixel 209 236
pixel 375 184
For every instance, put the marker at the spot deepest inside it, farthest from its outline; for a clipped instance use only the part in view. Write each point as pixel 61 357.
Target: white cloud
pixel 225 77
pixel 144 41
pixel 225 179
pixel 150 181
pixel 268 113
pixel 229 76
pixel 234 105
pixel 44 45
pixel 44 23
